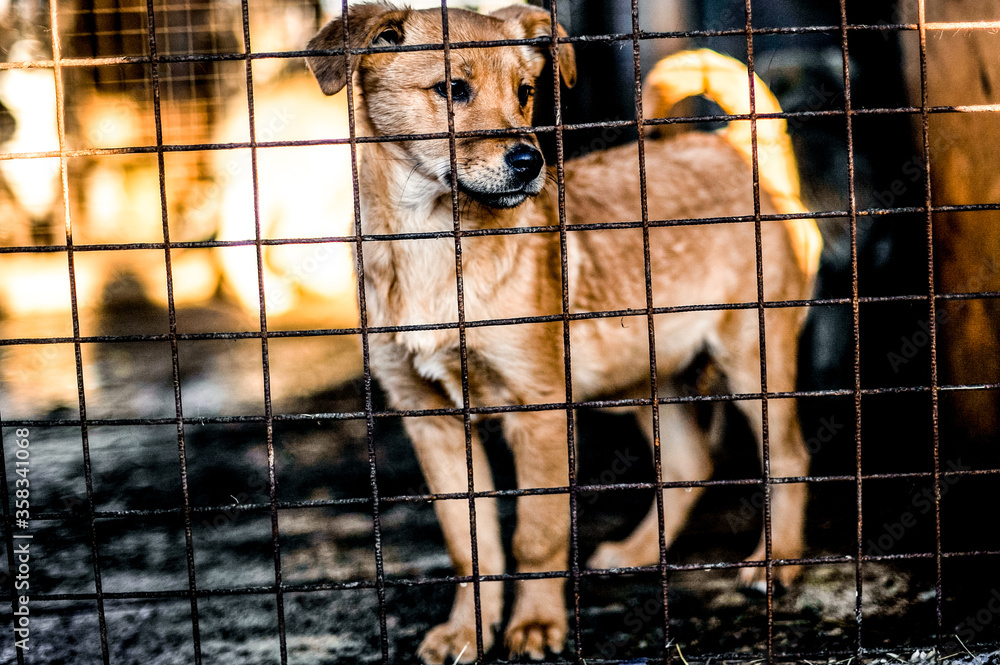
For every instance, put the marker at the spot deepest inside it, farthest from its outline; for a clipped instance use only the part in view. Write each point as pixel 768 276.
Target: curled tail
pixel 724 80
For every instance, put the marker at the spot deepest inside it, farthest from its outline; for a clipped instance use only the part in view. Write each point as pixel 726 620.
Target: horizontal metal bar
pixel 484 323
pixel 486 410
pixel 484 133
pixel 460 579
pixel 495 231
pixel 536 41
pixel 494 494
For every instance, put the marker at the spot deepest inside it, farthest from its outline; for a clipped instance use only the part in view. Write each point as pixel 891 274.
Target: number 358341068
pixel 22 466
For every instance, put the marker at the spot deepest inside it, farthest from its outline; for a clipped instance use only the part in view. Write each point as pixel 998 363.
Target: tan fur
pixel 405 188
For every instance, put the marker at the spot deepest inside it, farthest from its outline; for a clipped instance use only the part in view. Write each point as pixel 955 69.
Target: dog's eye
pixel 524 93
pixel 388 36
pixel 460 91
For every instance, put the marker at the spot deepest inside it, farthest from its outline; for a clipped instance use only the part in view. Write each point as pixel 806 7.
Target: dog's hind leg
pixel 684 457
pixel 440 444
pixel 740 361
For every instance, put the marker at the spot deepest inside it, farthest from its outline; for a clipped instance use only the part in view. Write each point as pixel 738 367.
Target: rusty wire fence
pixel 183 78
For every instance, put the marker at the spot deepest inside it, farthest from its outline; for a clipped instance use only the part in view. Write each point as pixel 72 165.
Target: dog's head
pixel 491 88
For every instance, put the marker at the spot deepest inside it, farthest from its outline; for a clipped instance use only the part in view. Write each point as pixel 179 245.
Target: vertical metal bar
pixel 761 339
pixel 172 318
pixel 651 331
pixel 462 342
pixel 365 355
pixel 75 312
pixel 932 302
pixel 265 359
pixel 855 330
pixel 574 537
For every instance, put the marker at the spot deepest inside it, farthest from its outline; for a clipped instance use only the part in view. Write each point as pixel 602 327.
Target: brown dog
pixel 405 187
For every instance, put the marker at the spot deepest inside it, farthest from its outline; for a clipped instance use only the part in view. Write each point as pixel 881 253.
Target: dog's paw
pixel 629 553
pixel 453 643
pixel 608 556
pixel 755 577
pixel 530 636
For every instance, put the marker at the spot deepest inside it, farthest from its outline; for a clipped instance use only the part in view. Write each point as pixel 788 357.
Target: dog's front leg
pixel 440 444
pixel 541 539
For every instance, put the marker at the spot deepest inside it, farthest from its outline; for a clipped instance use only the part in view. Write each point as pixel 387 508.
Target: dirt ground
pixel 136 468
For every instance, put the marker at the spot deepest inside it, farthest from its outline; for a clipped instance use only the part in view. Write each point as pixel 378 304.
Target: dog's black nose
pixel 525 161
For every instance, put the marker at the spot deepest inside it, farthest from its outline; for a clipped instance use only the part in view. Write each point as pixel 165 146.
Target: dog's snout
pixel 525 161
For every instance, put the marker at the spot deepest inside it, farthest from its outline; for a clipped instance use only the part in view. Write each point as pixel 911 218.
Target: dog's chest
pixel 430 297
pixel 418 289
pixel 424 291
pixel 486 385
pixel 413 285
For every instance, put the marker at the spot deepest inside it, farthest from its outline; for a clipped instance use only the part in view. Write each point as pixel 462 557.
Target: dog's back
pixel 695 176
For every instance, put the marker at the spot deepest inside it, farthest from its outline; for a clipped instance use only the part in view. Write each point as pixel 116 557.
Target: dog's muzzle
pixel 525 162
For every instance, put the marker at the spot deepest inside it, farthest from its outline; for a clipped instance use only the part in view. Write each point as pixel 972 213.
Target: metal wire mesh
pixel 169 51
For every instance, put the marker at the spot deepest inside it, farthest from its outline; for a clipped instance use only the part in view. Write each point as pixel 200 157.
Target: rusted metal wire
pixel 174 349
pixel 650 326
pixel 406 582
pixel 477 323
pixel 77 345
pixel 537 41
pixel 855 333
pixel 462 339
pixel 538 491
pixel 932 331
pixel 492 410
pixel 765 449
pixel 264 347
pixel 560 129
pixel 375 498
pixel 541 129
pixel 366 357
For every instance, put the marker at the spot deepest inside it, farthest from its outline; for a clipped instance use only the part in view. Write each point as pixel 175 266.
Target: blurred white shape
pixel 30 96
pixel 303 192
pixel 274 27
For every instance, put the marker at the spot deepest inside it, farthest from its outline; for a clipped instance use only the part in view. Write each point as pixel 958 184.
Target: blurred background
pixel 122 195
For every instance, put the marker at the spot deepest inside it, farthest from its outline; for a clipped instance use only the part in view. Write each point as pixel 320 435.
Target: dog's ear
pixel 538 23
pixel 369 24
